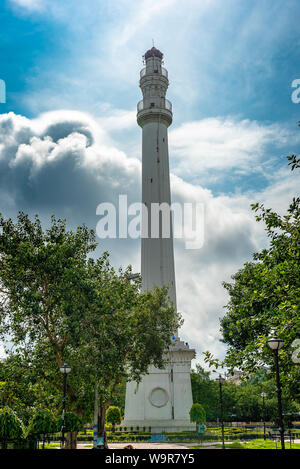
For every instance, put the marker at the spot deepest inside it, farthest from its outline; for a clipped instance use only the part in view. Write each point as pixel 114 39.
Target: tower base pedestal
pixel 163 399
pixel 157 426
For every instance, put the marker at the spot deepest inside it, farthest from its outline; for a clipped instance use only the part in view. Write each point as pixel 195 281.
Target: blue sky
pixel 71 69
pixel 236 58
pixel 233 59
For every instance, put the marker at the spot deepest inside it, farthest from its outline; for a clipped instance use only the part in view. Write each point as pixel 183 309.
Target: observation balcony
pixel 164 72
pixel 166 105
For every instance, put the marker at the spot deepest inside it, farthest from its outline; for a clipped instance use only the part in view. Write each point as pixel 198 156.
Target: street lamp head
pixel 65 368
pixel 133 276
pixel 220 378
pixel 263 395
pixel 275 343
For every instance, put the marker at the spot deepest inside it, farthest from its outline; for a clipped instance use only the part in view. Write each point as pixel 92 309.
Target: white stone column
pixel 164 397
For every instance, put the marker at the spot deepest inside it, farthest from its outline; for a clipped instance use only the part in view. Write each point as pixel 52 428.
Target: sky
pixel 69 138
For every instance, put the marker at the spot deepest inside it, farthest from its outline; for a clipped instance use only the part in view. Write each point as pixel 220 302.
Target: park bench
pixel 275 436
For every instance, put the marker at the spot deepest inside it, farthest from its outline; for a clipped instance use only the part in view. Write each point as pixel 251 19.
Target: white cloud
pixel 65 163
pixel 118 119
pixel 221 144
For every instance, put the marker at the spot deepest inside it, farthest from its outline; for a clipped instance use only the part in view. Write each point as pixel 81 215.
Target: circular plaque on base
pixel 158 397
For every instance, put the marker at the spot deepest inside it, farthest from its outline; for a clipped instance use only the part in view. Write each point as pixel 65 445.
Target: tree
pixel 113 416
pixel 11 427
pixel 205 392
pixel 197 414
pixel 264 295
pixel 73 424
pixel 18 387
pixel 57 305
pixel 137 331
pixel 118 397
pixel 42 424
pixel 242 402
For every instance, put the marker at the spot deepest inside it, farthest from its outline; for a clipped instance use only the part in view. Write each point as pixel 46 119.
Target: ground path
pixel 162 445
pixel 145 445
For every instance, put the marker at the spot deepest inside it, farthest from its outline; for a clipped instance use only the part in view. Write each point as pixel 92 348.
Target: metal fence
pixel 164 72
pixel 166 105
pixel 19 444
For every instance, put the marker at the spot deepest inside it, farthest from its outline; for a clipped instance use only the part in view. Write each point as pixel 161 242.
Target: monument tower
pixel 163 399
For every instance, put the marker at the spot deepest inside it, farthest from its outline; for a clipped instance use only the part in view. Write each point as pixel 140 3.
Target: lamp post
pixel 275 344
pixel 133 276
pixel 65 369
pixel 221 381
pixel 263 395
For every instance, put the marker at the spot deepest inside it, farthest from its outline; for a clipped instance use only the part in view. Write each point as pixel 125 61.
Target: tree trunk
pixel 71 442
pixel 101 424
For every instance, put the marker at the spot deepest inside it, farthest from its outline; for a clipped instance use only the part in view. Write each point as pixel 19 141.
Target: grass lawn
pixel 253 444
pixel 50 446
pixel 268 444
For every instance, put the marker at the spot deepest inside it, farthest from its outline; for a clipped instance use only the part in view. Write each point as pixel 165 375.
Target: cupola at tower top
pixel 153 52
pixel 154 107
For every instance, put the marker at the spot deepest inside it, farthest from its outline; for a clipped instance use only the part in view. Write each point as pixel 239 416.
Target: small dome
pixel 153 53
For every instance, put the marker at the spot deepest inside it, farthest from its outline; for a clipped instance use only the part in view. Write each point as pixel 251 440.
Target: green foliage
pixel 11 427
pixel 242 402
pixel 20 387
pixel 113 415
pixel 72 422
pixel 205 391
pixel 58 304
pixel 264 295
pixel 42 423
pixel 262 444
pixel 118 397
pixel 197 413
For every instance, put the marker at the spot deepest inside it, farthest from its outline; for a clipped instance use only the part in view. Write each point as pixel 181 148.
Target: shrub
pixel 11 427
pixel 197 414
pixel 72 422
pixel 113 416
pixel 42 423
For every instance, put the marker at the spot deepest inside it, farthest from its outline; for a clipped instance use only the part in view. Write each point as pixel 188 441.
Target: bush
pixel 42 423
pixel 197 414
pixel 113 416
pixel 72 422
pixel 11 427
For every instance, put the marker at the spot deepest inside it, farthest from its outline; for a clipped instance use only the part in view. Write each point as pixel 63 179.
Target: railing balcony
pixel 164 72
pixel 166 105
pixel 140 106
